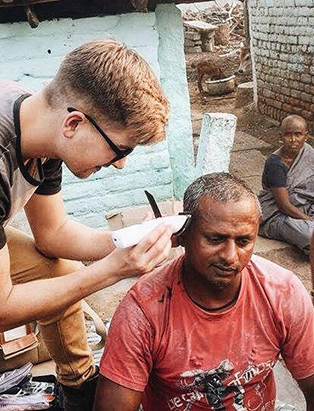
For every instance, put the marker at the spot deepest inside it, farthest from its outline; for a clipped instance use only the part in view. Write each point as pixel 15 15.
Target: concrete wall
pixel 283 51
pixel 32 56
pixel 173 79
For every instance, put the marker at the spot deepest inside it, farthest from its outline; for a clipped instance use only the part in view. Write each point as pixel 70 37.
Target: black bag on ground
pixel 19 390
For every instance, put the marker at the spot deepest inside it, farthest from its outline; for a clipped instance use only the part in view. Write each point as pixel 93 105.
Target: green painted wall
pixel 173 79
pixel 32 56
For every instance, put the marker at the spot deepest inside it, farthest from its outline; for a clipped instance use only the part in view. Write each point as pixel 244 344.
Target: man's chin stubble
pixel 218 285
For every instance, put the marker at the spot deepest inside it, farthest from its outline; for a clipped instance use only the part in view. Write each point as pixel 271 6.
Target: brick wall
pixel 283 53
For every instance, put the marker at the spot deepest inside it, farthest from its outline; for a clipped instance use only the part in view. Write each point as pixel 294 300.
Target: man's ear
pixel 180 240
pixel 175 241
pixel 70 123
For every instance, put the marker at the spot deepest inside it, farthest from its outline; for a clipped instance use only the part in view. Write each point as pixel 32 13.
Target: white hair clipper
pixel 130 236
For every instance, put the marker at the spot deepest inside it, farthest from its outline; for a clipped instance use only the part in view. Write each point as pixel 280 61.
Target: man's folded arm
pixel 284 205
pixel 114 397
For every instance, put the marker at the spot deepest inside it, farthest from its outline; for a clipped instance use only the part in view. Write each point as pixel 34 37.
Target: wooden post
pixel 31 16
pixel 246 22
pixel 10 3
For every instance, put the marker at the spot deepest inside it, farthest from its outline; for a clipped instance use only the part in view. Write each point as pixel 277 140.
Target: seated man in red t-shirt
pixel 205 331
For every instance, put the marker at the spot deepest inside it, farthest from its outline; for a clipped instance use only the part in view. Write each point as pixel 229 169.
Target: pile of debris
pixel 216 24
pixel 198 36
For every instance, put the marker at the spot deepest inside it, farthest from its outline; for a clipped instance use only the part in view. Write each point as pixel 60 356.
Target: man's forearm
pixel 294 212
pixel 44 298
pixel 76 241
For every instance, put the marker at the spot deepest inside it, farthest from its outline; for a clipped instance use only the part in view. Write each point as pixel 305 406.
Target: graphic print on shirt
pixel 212 386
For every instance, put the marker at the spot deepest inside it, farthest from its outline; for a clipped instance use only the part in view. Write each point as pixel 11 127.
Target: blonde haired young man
pixel 103 102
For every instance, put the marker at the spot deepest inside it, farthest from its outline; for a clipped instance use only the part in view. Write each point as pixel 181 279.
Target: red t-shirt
pixel 186 358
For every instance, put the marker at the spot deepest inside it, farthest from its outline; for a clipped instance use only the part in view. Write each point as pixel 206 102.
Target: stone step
pixel 248 165
pixel 244 141
pixel 264 245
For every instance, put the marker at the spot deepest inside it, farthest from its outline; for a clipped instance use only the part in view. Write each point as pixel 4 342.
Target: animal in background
pixel 209 69
pixel 245 59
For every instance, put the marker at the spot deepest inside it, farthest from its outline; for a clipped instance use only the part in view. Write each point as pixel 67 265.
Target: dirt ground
pixel 249 119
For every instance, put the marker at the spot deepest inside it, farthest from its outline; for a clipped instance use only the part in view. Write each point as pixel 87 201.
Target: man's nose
pixel 120 163
pixel 229 252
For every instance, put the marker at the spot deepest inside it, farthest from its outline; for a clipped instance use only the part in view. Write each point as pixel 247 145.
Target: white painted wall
pixel 283 56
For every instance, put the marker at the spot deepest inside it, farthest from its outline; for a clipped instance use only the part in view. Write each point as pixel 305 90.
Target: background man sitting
pixel 287 198
pixel 205 331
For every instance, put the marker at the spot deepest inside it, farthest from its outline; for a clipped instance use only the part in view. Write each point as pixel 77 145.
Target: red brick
pixel 297 110
pixel 286 107
pixel 295 76
pixel 306 97
pixel 277 104
pixel 280 97
pixel 295 93
pixel 309 89
pixel 306 78
pixel 282 115
pixel 286 91
pixel 276 88
pixel 293 101
pixel 302 104
pixel 267 93
pixel 307 115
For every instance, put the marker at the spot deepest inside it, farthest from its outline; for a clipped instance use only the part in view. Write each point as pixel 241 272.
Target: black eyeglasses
pixel 119 153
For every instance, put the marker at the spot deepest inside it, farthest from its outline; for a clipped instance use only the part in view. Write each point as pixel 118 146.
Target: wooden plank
pixel 11 3
pixel 151 3
pixel 52 9
pixel 31 16
pixel 182 1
